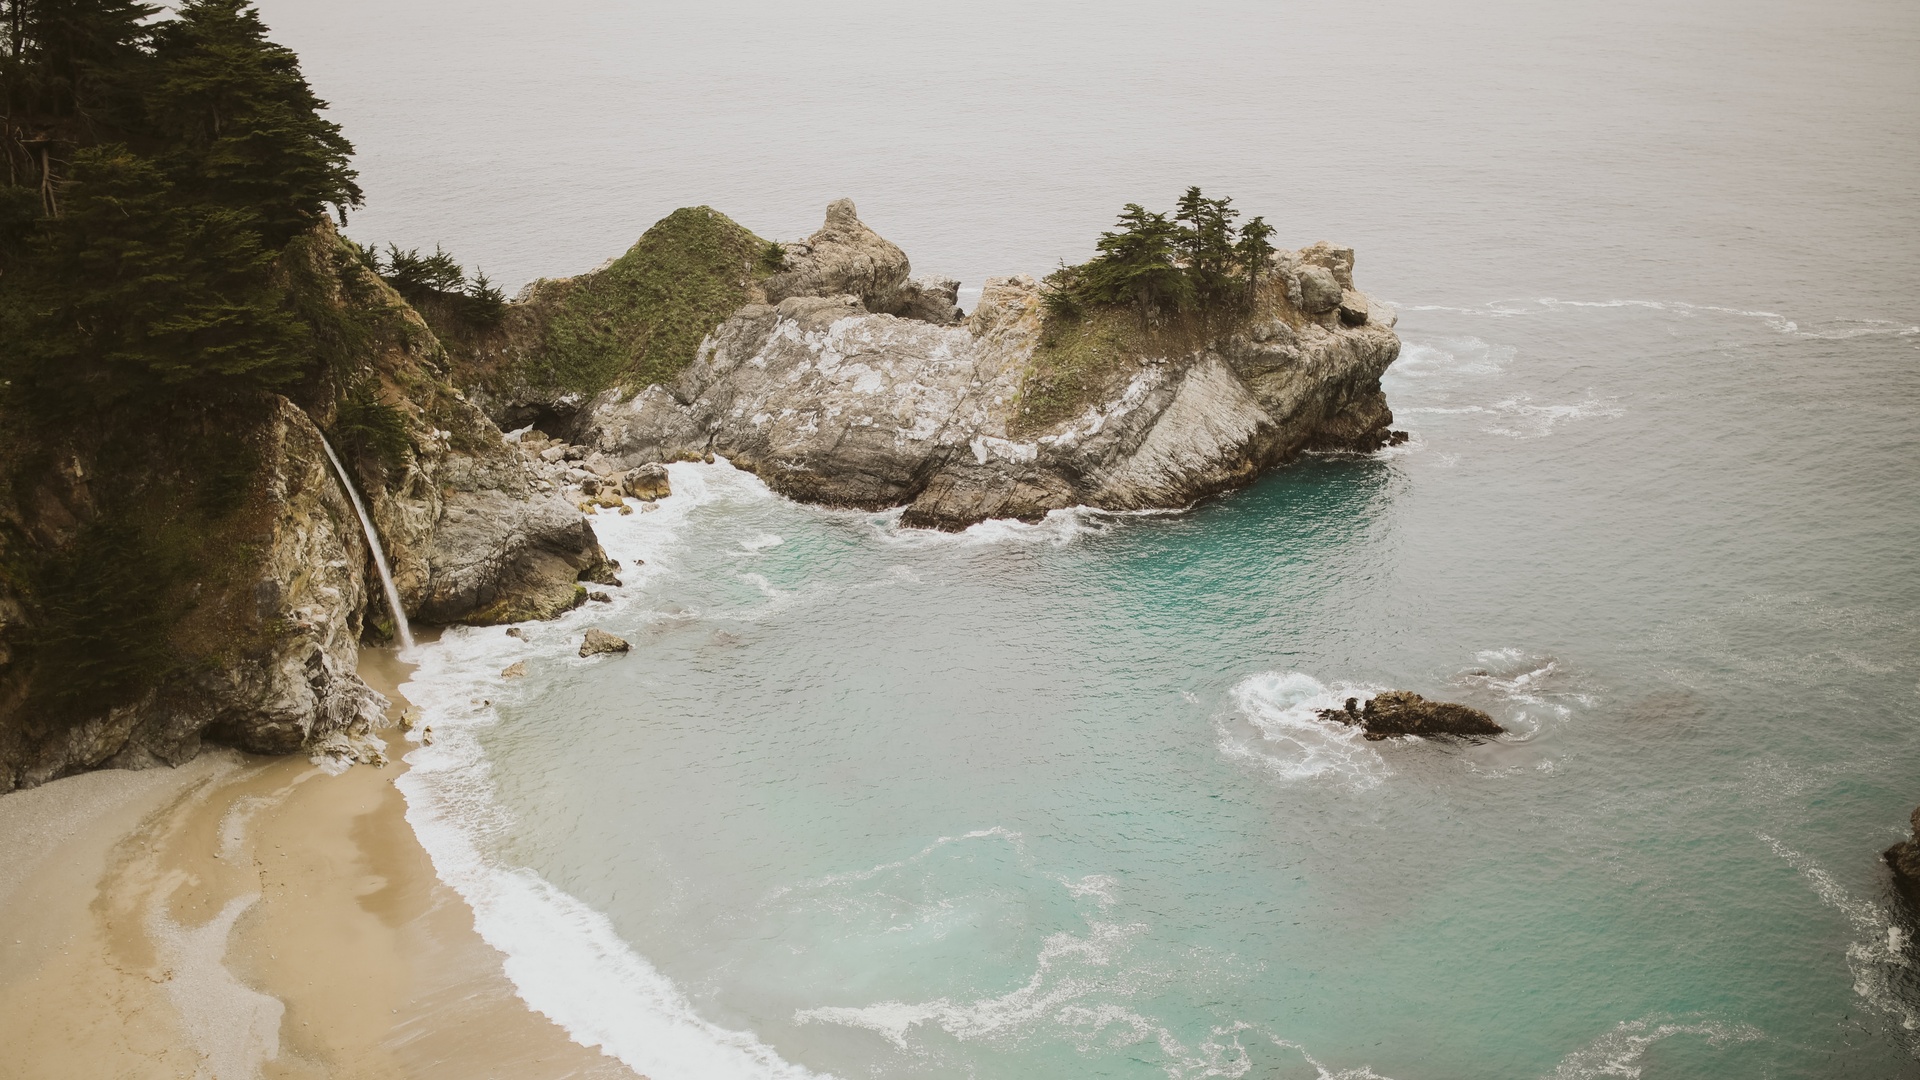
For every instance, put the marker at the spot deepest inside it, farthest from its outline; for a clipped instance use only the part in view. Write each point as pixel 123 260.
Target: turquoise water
pixel 1050 800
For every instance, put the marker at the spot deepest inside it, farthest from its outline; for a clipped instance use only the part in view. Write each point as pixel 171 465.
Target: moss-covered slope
pixel 637 321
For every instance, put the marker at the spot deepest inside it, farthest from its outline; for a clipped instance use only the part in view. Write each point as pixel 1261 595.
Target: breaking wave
pixel 564 958
pixel 1290 739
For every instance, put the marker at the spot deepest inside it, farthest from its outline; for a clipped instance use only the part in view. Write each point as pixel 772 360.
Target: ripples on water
pixel 1054 799
pixel 1050 800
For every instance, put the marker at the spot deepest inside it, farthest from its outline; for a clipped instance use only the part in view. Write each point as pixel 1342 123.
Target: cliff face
pixel 472 536
pixel 830 401
pixel 173 585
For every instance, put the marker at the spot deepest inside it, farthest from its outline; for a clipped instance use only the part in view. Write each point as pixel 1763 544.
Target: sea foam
pixel 1291 740
pixel 564 958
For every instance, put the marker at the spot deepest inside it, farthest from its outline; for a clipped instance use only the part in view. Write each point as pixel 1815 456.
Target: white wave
pixel 852 877
pixel 1362 1072
pixel 1069 971
pixel 762 542
pixel 1838 329
pixel 1295 743
pixel 1424 359
pixel 1618 1052
pixel 565 959
pixel 1519 418
pixel 1058 528
pixel 1876 959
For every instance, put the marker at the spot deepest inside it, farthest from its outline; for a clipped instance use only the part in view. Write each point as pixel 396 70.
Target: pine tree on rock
pixel 1255 250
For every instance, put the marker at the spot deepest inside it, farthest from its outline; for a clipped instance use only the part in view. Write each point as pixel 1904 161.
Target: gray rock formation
pixel 829 400
pixel 289 622
pixel 843 258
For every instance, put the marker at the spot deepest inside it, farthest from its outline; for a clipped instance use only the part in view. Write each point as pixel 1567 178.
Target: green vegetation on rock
pixel 641 319
pixel 1160 287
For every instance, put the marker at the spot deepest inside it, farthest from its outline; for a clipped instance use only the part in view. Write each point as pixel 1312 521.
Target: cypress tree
pixel 246 127
pixel 1254 250
pixel 136 295
pixel 1136 264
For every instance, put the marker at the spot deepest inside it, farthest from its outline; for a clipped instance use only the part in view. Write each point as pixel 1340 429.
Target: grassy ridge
pixel 640 320
pixel 1086 359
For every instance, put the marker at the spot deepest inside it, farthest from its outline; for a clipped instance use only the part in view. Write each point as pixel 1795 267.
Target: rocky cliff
pixel 203 577
pixel 849 386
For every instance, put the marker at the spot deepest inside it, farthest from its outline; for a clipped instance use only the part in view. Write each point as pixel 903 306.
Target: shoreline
pixel 244 916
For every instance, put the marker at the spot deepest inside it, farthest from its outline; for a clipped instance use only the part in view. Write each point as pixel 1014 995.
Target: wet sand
pixel 246 917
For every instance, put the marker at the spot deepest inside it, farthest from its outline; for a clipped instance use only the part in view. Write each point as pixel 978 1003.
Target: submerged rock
pixel 1402 712
pixel 599 641
pixel 1904 858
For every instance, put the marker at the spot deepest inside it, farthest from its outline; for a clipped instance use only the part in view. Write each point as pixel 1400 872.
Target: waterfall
pixel 373 541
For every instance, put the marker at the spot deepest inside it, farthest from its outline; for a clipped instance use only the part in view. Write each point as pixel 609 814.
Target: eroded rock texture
pixel 830 399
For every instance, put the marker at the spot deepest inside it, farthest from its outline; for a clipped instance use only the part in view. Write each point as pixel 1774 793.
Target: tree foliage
pixel 171 161
pixel 1159 265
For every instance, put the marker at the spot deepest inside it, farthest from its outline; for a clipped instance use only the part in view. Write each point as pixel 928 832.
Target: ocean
pixel 1053 800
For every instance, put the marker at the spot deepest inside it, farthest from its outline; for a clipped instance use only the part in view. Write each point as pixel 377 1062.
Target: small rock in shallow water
pixel 515 670
pixel 514 631
pixel 600 598
pixel 599 641
pixel 1402 712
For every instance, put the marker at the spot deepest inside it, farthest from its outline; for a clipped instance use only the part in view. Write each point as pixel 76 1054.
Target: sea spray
pixel 373 541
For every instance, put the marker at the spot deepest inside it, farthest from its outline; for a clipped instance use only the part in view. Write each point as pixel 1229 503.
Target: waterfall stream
pixel 373 541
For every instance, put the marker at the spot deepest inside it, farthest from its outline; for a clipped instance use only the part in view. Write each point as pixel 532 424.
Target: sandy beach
pixel 248 917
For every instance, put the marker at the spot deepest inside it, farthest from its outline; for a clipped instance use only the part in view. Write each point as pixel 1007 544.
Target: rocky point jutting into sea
pixel 820 365
pixel 848 382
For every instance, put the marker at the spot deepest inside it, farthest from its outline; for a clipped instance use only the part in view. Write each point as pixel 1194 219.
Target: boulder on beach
pixel 1403 712
pixel 599 641
pixel 1904 858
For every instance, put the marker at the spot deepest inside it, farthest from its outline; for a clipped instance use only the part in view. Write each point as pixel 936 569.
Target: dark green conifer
pixel 135 293
pixel 1136 264
pixel 1254 250
pixel 246 126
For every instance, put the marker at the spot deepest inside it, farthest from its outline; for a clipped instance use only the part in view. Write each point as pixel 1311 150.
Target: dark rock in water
pixel 1904 858
pixel 1402 712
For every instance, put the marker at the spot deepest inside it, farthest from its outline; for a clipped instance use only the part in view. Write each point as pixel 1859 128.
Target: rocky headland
pixel 841 379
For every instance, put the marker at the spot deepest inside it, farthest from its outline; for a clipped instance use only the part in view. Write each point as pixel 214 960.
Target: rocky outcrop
pixel 648 483
pixel 471 533
pixel 271 644
pixel 598 642
pixel 829 399
pixel 251 592
pixel 1904 859
pixel 1402 712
